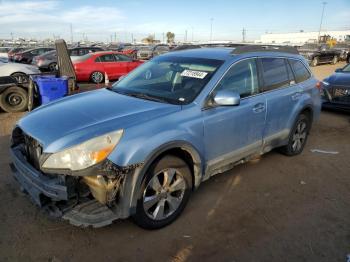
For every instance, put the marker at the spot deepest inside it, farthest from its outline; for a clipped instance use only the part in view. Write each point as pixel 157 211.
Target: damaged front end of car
pixel 93 196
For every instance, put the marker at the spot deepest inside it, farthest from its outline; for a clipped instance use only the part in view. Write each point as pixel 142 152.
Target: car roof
pixel 29 50
pixel 85 47
pixel 106 53
pixel 225 53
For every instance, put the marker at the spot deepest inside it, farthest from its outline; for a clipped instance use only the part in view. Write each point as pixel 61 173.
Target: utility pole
pixel 185 35
pixel 243 35
pixel 192 34
pixel 115 36
pixel 211 29
pixel 132 38
pixel 319 31
pixel 71 33
pixel 11 36
pixel 163 38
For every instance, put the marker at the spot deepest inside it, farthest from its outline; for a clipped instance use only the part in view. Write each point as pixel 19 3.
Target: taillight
pixel 319 85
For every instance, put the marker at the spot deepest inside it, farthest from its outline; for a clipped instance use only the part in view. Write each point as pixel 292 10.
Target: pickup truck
pixel 319 54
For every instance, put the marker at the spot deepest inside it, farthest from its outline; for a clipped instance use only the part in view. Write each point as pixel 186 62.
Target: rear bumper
pixel 34 182
pixel 335 106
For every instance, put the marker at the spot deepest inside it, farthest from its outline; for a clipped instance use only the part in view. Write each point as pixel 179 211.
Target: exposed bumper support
pixel 59 196
pixel 34 182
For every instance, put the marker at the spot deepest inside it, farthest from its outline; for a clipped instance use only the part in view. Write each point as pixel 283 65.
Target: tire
pixel 314 61
pixel 299 132
pixel 334 60
pixel 52 67
pixel 14 99
pixel 97 77
pixel 163 206
pixel 21 78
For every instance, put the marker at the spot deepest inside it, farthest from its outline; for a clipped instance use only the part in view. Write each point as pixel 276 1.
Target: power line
pixel 319 31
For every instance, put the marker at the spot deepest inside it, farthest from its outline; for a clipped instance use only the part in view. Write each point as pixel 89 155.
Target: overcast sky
pixel 98 20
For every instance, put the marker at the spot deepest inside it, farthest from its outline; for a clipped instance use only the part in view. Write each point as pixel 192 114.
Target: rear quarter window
pixel 300 71
pixel 275 73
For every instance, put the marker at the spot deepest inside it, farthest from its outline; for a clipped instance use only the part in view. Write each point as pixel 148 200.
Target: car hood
pixel 72 120
pixel 10 68
pixel 339 79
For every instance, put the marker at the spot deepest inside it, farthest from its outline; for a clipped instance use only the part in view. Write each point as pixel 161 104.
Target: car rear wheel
pixel 21 78
pixel 314 61
pixel 164 193
pixel 14 99
pixel 334 60
pixel 298 136
pixel 97 77
pixel 52 67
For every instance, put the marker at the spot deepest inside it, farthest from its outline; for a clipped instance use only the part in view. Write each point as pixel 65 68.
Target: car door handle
pixel 258 108
pixel 296 96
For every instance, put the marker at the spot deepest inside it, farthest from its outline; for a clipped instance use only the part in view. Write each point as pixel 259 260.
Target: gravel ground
pixel 276 208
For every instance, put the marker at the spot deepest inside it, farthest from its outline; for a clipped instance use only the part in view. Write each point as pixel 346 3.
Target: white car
pixel 4 51
pixel 19 71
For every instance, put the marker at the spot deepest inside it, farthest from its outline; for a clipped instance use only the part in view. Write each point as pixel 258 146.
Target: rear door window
pixel 300 71
pixel 106 58
pixel 275 73
pixel 123 58
pixel 73 52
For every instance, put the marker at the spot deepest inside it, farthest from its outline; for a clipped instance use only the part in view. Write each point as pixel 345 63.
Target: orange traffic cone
pixel 106 80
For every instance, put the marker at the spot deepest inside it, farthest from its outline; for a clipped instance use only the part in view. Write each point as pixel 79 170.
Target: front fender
pixel 133 181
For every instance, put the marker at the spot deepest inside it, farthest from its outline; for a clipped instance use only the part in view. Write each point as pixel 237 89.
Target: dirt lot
pixel 275 209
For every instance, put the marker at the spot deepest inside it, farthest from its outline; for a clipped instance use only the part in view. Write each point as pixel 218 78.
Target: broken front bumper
pixel 35 183
pixel 58 194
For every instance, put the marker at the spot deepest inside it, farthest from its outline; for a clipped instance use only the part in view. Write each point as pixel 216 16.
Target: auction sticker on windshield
pixel 194 74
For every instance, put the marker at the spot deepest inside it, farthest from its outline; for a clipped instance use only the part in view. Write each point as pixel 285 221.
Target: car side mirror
pixel 338 70
pixel 227 98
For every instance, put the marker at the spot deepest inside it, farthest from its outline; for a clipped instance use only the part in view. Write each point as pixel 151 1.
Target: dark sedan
pixel 27 55
pixel 336 90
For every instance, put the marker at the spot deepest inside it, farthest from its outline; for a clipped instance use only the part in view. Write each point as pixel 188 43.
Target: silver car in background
pixel 46 61
pixel 148 52
pixel 18 71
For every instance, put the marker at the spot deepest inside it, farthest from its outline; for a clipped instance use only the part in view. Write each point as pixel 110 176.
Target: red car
pixel 93 66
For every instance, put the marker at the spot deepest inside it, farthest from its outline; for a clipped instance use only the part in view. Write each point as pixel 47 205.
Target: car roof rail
pixel 264 48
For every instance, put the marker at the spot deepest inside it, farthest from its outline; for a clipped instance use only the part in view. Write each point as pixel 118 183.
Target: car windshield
pixel 347 68
pixel 145 48
pixel 175 80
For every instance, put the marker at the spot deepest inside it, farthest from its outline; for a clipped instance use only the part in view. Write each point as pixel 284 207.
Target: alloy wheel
pixel 163 194
pixel 21 78
pixel 299 136
pixel 97 77
pixel 53 67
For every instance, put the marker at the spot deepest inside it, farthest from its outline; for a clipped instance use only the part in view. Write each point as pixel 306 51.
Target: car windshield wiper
pixel 146 96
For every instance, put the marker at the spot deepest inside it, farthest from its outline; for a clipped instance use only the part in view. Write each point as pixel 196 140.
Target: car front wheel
pixel 314 61
pixel 52 67
pixel 21 78
pixel 164 193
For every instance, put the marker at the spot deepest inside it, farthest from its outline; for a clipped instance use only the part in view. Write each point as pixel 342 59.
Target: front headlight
pixel 85 154
pixel 325 83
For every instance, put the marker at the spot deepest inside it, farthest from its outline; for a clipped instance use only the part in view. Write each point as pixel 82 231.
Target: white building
pixel 301 37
